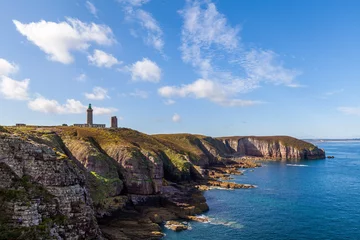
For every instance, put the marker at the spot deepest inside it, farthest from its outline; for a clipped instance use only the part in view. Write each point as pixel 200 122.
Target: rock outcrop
pixel 42 196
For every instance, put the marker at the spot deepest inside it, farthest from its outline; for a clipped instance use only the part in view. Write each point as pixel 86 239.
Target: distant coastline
pixel 332 140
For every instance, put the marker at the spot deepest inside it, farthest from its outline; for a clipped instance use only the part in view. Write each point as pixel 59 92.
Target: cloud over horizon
pixel 72 106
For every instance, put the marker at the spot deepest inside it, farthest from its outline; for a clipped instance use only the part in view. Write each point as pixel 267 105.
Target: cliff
pixel 42 195
pixel 276 147
pixel 62 181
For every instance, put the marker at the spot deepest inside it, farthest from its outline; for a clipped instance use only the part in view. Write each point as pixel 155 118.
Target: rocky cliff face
pixel 42 195
pixel 279 148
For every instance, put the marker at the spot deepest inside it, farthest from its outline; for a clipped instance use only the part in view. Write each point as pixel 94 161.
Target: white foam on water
pixel 297 165
pixel 221 188
pixel 231 224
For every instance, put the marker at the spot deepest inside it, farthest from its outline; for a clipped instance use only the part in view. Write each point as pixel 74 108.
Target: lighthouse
pixel 89 122
pixel 89 116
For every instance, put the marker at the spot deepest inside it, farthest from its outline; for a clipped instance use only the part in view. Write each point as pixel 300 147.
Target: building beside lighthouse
pixel 114 122
pixel 89 120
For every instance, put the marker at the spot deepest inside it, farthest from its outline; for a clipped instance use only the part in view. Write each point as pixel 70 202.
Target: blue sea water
pixel 314 199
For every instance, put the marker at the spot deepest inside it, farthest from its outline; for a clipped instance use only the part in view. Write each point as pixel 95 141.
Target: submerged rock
pixel 176 226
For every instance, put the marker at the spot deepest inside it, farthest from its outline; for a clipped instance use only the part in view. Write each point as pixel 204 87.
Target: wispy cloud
pixel 169 102
pixel 139 94
pixel 350 110
pixel 136 3
pixel 209 42
pixel 176 118
pixel 261 65
pixel 92 9
pixel 150 29
pixel 81 77
pixel 59 39
pixel 331 93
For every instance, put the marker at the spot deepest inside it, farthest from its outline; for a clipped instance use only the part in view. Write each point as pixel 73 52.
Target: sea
pixel 310 199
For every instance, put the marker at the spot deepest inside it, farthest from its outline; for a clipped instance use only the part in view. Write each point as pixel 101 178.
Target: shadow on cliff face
pixel 248 148
pixel 173 173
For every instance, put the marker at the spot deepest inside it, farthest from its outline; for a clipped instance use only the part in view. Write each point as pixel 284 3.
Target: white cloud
pixel 145 70
pixel 139 93
pixel 104 111
pixel 72 106
pixel 7 68
pixel 81 78
pixel 12 89
pixel 169 102
pixel 209 42
pixel 58 39
pixel 102 59
pixel 176 118
pixel 137 3
pixel 44 105
pixel 98 93
pixel 91 7
pixel 350 110
pixel 202 88
pixel 331 93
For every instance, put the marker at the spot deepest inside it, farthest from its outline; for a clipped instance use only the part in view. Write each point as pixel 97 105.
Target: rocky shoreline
pixel 179 205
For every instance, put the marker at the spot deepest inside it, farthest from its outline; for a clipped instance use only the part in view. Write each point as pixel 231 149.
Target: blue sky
pixel 217 68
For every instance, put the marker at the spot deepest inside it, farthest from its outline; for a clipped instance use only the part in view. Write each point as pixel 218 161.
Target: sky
pixel 218 68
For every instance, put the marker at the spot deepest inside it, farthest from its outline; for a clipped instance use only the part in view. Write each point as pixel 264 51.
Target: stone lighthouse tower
pixel 89 116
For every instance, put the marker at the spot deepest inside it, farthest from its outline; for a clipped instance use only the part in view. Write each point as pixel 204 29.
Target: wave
pixel 221 188
pixel 215 221
pixel 296 165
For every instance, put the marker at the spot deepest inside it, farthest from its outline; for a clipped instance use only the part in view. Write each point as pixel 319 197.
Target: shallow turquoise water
pixel 318 199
